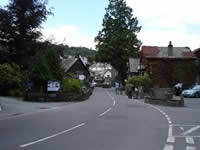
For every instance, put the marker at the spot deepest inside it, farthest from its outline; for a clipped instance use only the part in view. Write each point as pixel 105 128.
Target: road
pixel 104 122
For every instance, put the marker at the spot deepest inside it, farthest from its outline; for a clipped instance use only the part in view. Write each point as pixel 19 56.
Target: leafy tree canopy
pixel 117 41
pixel 82 51
pixel 19 28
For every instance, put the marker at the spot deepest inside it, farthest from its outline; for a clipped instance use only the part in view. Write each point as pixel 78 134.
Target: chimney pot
pixel 170 49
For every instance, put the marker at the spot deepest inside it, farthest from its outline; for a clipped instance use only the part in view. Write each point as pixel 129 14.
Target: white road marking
pixel 189 140
pixel 114 102
pixel 183 125
pixel 168 147
pixel 170 131
pixel 179 136
pixel 191 130
pixel 109 109
pixel 190 148
pixel 182 128
pixel 170 139
pixel 52 136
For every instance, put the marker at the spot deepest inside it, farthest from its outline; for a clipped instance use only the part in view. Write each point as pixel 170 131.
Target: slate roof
pixel 67 63
pixel 155 51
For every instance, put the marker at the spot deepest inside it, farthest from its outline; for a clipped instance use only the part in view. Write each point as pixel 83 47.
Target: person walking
pixel 136 92
pixel 129 91
pixel 116 88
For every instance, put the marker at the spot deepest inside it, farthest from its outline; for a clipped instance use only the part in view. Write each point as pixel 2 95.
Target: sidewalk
pixel 12 107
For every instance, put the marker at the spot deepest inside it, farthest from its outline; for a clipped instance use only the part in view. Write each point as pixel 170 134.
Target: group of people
pixel 132 91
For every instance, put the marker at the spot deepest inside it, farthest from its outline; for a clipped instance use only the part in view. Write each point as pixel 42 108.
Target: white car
pixel 193 92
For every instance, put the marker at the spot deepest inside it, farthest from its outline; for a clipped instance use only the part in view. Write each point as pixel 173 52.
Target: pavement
pixel 14 107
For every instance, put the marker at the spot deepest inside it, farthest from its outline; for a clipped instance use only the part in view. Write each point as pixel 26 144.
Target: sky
pixel 77 22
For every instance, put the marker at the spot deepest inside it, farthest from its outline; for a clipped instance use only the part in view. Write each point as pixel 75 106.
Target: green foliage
pixel 46 66
pixel 117 41
pixel 10 77
pixel 16 92
pixel 184 72
pixel 40 72
pixel 71 85
pixel 75 51
pixel 91 59
pixel 54 63
pixel 165 73
pixel 18 28
pixel 143 81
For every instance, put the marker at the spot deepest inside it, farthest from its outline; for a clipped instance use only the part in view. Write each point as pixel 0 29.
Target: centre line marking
pixel 109 109
pixel 52 136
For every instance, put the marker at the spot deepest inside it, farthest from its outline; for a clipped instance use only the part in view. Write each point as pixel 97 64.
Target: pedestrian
pixel 136 92
pixel 140 92
pixel 116 88
pixel 129 91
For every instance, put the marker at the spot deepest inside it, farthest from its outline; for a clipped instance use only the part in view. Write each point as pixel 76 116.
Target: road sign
pixel 53 86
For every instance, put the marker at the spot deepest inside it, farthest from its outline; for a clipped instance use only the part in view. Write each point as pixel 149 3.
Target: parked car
pixel 194 92
pixel 179 87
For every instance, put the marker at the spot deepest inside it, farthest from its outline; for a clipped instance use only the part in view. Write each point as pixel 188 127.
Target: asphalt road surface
pixel 104 122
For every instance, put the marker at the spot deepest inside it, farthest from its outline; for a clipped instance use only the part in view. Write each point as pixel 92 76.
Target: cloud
pixel 164 21
pixel 70 35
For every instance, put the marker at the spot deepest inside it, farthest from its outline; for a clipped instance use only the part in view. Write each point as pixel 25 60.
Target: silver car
pixel 193 92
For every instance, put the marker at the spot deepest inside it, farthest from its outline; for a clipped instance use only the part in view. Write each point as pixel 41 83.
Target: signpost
pixel 53 86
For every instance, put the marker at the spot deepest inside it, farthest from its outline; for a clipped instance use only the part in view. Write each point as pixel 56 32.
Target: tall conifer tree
pixel 118 41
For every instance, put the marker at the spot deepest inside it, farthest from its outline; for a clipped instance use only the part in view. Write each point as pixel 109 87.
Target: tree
pixel 91 59
pixel 46 66
pixel 117 41
pixel 19 28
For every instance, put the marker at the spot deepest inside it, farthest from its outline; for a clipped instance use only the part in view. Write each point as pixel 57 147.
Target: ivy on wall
pixel 167 72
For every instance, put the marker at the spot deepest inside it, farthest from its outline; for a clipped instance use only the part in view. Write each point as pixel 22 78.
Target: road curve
pixel 105 122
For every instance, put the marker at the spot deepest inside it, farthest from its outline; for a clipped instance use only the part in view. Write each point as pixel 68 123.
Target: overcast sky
pixel 77 22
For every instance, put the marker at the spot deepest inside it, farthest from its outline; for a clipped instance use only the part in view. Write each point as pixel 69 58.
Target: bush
pixel 143 81
pixel 16 93
pixel 71 85
pixel 10 77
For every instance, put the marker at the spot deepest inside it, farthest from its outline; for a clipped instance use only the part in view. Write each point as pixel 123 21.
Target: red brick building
pixel 168 65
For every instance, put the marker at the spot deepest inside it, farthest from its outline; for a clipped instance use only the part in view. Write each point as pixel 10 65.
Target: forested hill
pixel 82 51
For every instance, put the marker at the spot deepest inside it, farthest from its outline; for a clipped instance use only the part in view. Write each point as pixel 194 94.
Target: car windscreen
pixel 196 88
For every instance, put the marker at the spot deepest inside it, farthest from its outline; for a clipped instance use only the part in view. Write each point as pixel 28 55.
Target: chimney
pixel 170 49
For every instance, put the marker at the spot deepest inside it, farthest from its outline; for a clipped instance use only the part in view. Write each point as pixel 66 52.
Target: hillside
pixel 82 51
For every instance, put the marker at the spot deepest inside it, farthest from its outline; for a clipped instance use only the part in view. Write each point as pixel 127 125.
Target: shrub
pixel 143 81
pixel 16 92
pixel 71 85
pixel 10 77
